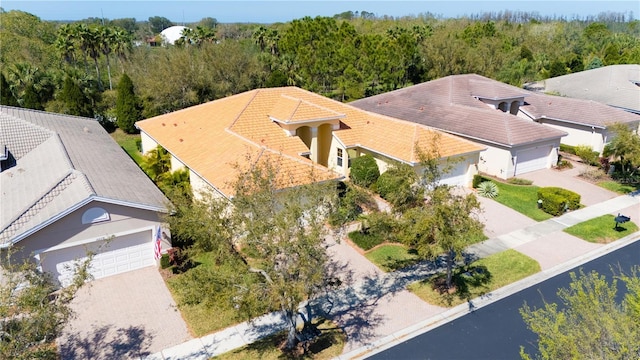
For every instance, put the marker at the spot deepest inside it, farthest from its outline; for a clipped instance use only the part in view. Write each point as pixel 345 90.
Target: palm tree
pixel 30 86
pixel 259 37
pixel 65 43
pixel 122 45
pixel 107 41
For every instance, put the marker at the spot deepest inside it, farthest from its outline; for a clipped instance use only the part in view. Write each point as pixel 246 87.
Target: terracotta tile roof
pixel 578 111
pixel 210 138
pixel 451 104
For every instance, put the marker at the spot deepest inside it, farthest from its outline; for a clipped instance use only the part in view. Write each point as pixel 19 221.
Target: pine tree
pixel 128 109
pixel 75 101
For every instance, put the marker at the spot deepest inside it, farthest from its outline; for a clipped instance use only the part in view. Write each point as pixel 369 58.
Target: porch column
pixel 314 144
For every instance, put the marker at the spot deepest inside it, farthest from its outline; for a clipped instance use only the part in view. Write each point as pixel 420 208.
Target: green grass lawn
pixel 391 257
pixel 617 187
pixel 478 278
pixel 521 198
pixel 211 313
pixel 601 229
pixel 328 346
pixel 129 142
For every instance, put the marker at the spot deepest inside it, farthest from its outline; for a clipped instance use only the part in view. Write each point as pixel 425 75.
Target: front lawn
pixel 327 346
pixel 199 295
pixel 478 278
pixel 129 142
pixel 617 187
pixel 601 229
pixel 521 198
pixel 390 257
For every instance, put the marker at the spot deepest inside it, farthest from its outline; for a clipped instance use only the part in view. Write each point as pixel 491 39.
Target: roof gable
pixel 61 161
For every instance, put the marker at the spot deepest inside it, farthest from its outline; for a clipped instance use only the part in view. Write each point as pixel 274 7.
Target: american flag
pixel 157 248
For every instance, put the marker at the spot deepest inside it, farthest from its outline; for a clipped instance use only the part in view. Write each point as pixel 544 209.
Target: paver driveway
pixel 125 316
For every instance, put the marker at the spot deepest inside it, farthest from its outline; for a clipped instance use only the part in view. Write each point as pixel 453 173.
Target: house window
pixel 340 157
pixel 95 215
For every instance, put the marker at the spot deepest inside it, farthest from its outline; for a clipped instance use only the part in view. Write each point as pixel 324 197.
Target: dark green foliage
pixel 398 186
pixel 128 109
pixel 556 201
pixel 75 102
pixel 159 23
pixel 6 96
pixel 164 261
pixel 377 228
pixel 478 179
pixel 557 68
pixel 351 201
pixel 364 170
pixel 525 53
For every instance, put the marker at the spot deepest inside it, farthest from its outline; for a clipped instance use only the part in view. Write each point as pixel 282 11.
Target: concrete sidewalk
pixel 360 300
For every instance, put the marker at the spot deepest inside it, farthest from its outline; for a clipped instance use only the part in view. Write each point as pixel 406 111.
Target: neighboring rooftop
pixel 210 138
pixel 453 104
pixel 576 111
pixel 56 162
pixel 614 85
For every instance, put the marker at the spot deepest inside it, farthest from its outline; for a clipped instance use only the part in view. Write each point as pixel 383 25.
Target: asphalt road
pixel 497 331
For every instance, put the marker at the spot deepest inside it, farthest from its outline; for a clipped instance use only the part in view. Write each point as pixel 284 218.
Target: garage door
pixel 457 176
pixel 532 159
pixel 115 256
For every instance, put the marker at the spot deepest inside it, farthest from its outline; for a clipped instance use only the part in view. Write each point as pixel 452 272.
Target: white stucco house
pixel 305 131
pixel 67 188
pixel 481 110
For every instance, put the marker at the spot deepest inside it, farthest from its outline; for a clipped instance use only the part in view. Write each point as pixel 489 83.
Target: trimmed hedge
pixel 556 201
pixel 568 149
pixel 478 179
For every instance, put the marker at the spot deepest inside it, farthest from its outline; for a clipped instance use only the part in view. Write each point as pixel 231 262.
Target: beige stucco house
pixel 67 188
pixel 306 131
pixel 586 122
pixel 481 110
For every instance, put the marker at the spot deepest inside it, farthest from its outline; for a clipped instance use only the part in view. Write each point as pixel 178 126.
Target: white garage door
pixel 532 159
pixel 115 256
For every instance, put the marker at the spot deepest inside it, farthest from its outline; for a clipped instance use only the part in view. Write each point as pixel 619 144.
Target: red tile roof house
pixel 481 110
pixel 67 188
pixel 307 131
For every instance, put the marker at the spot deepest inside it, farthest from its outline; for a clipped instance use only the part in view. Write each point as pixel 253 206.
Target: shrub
pixel 488 189
pixel 164 261
pixel 377 228
pixel 593 175
pixel 519 181
pixel 477 179
pixel 364 170
pixel 556 201
pixel 564 164
pixel 587 155
pixel 567 148
pixel 351 201
pixel 398 186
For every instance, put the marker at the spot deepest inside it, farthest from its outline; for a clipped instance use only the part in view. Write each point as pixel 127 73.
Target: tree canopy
pixel 590 321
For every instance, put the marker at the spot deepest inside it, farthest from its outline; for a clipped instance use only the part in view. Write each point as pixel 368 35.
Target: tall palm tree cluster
pixel 93 41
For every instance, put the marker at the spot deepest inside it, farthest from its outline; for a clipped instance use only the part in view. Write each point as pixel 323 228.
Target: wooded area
pixel 73 68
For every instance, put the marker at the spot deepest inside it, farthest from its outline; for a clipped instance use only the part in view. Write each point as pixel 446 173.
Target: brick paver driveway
pixel 125 316
pixel 570 180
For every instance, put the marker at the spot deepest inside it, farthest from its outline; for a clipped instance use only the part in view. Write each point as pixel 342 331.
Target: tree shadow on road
pixel 106 342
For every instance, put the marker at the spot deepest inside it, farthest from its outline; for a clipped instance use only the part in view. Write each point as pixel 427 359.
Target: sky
pixel 270 11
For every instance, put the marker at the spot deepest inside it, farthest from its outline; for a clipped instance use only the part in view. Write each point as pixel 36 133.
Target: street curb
pixel 456 312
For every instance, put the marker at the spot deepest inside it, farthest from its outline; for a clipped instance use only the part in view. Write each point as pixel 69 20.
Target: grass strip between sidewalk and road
pixel 478 278
pixel 601 230
pixel 521 198
pixel 327 346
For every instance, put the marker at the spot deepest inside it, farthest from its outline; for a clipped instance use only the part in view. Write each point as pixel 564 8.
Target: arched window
pixel 95 215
